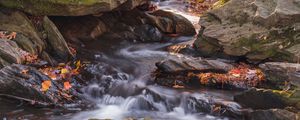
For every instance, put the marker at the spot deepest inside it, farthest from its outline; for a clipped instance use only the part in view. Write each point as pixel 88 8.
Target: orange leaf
pixel 67 85
pixel 46 85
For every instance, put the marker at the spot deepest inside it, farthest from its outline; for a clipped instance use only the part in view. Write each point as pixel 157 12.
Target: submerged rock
pixel 69 7
pixel 255 29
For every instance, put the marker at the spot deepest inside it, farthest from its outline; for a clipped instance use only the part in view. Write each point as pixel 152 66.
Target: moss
pixel 58 7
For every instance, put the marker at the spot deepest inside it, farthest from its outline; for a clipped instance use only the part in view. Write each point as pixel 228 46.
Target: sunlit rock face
pixel 255 29
pixel 69 7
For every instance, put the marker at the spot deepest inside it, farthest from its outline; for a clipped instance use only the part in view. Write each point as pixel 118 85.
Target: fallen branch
pixel 28 100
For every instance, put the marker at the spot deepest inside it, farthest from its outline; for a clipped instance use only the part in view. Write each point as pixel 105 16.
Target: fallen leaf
pixel 46 85
pixel 64 71
pixel 178 86
pixel 67 85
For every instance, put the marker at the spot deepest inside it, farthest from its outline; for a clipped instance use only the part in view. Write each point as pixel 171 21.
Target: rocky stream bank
pixel 67 55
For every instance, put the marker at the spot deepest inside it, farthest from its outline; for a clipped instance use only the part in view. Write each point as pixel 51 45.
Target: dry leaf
pixel 67 85
pixel 64 71
pixel 46 85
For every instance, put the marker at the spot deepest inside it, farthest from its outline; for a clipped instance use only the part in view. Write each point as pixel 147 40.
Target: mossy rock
pixel 268 99
pixel 64 7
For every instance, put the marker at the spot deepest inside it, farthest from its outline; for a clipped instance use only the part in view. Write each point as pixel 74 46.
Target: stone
pixel 273 114
pixel 192 64
pixel 16 21
pixel 80 29
pixel 180 25
pixel 25 43
pixel 56 40
pixel 148 33
pixel 268 99
pixel 255 29
pixel 9 52
pixel 27 85
pixel 279 72
pixel 69 7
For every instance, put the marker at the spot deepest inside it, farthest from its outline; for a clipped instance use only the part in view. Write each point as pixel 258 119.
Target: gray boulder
pixel 255 29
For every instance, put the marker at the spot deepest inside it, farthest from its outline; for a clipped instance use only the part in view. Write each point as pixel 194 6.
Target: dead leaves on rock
pixel 7 35
pixel 241 77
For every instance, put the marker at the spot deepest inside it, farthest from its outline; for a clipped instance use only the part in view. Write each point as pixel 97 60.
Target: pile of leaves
pixel 63 73
pixel 242 76
pixel 198 7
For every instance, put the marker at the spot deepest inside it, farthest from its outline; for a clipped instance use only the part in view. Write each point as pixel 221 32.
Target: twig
pixel 27 100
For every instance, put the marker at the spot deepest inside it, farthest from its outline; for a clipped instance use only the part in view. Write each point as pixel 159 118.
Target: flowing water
pixel 121 84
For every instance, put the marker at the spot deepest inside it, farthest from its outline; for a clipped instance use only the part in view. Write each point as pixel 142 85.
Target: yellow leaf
pixel 67 85
pixel 46 85
pixel 64 71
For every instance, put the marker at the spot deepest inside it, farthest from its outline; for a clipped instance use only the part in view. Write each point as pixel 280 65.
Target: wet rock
pixel 273 114
pixel 68 8
pixel 9 52
pixel 255 29
pixel 56 40
pixel 18 22
pixel 25 82
pixel 169 22
pixel 194 103
pixel 148 33
pixel 278 73
pixel 268 99
pixel 192 64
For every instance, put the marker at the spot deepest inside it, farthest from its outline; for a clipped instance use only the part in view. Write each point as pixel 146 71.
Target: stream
pixel 122 85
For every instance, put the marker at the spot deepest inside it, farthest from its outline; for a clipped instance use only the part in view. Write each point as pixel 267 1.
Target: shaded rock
pixel 179 24
pixel 255 29
pixel 192 64
pixel 9 52
pixel 80 29
pixel 148 33
pixel 26 44
pixel 68 7
pixel 278 73
pixel 15 82
pixel 56 40
pixel 273 114
pixel 268 99
pixel 18 22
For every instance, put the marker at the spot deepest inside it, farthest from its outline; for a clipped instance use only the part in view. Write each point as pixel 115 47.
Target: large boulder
pixel 69 7
pixel 255 29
